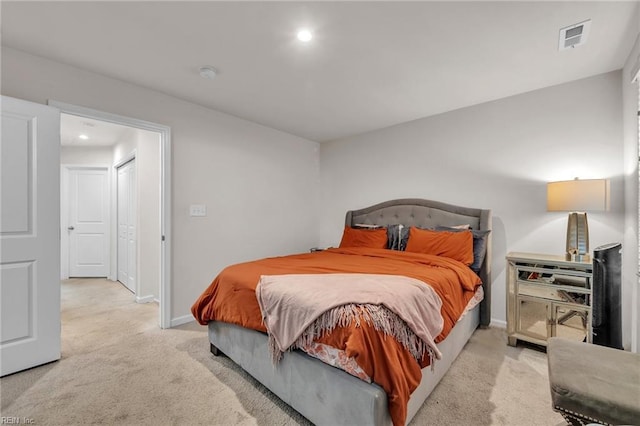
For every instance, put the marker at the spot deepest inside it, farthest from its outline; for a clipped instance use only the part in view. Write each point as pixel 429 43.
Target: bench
pixel 594 384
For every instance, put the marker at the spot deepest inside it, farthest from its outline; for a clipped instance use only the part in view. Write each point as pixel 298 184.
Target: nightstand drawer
pixel 578 296
pixel 538 291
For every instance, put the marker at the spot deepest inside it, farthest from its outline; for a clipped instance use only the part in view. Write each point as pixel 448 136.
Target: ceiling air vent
pixel 574 35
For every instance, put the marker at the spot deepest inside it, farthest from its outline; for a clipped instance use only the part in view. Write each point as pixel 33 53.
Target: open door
pixel 29 235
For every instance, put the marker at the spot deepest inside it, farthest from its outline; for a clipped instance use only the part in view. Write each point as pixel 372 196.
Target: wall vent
pixel 574 35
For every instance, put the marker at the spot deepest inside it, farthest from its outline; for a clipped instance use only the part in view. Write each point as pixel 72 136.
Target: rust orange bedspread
pixel 231 298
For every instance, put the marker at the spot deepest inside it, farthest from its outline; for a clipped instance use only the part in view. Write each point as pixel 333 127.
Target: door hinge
pixel 162 238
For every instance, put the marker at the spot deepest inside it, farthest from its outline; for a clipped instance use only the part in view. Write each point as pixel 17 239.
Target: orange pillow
pixel 371 238
pixel 454 245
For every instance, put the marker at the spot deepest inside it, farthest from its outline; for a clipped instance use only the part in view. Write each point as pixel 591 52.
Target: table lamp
pixel 577 197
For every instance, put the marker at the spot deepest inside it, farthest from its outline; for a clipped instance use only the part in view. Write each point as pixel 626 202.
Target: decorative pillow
pixel 479 245
pixel 451 244
pixel 403 234
pixel 398 236
pixel 371 238
pixel 479 248
pixel 370 226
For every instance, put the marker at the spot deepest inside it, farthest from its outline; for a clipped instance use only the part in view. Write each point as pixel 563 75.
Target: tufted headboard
pixel 425 214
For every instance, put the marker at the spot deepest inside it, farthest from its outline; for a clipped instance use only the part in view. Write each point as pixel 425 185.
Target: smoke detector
pixel 208 72
pixel 574 35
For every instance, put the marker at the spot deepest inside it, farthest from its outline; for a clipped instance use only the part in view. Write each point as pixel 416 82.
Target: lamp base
pixel 577 235
pixel 578 257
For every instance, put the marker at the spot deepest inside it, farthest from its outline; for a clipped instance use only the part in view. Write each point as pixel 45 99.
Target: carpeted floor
pixel 118 367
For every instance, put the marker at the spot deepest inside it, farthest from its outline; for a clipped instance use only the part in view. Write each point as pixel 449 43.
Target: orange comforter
pixel 231 298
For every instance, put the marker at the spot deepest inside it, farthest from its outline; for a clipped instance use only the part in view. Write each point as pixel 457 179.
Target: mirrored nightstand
pixel 548 295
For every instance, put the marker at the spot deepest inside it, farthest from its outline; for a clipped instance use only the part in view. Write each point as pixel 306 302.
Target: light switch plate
pixel 197 210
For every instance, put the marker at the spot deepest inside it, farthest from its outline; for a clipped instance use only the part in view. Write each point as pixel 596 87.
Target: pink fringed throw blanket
pixel 296 309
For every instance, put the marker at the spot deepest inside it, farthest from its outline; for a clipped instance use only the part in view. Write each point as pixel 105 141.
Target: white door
pixel 127 225
pixel 29 235
pixel 88 222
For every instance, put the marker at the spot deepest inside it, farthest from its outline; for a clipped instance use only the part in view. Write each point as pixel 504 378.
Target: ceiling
pixel 98 133
pixel 370 65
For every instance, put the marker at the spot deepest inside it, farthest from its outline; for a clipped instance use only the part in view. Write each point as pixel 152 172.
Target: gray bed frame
pixel 329 396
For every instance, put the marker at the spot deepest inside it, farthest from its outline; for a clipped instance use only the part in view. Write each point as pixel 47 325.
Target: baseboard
pixel 498 323
pixel 182 320
pixel 145 299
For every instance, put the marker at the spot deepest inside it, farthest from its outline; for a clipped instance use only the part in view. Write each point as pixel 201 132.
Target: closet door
pixel 127 225
pixel 131 229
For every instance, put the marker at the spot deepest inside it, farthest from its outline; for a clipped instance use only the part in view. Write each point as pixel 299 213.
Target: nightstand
pixel 548 296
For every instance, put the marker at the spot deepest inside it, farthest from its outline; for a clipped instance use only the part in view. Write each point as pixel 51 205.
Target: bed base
pixel 214 350
pixel 324 394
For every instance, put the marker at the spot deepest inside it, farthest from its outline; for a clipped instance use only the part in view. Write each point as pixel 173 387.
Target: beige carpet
pixel 118 367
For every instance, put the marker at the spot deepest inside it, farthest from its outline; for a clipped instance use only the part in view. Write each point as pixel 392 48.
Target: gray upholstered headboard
pixel 427 213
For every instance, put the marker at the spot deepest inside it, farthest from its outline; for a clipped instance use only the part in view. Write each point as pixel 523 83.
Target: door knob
pixel 71 228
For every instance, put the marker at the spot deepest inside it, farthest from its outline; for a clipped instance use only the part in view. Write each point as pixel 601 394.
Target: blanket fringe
pixel 382 319
pixel 276 353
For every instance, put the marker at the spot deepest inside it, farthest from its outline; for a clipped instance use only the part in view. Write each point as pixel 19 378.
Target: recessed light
pixel 83 137
pixel 304 35
pixel 208 72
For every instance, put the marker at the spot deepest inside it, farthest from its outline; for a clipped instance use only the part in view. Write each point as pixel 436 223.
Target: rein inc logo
pixel 16 421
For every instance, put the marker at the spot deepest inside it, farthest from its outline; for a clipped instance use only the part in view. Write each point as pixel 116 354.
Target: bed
pixel 328 395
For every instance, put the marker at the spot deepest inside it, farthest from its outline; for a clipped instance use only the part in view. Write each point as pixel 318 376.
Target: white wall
pixel 259 185
pixel 125 146
pixel 630 252
pixel 149 232
pixel 86 155
pixel 498 155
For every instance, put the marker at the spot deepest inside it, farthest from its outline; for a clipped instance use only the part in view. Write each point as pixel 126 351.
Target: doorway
pixel 161 239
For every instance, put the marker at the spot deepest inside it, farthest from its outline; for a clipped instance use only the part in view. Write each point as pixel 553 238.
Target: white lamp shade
pixel 578 195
